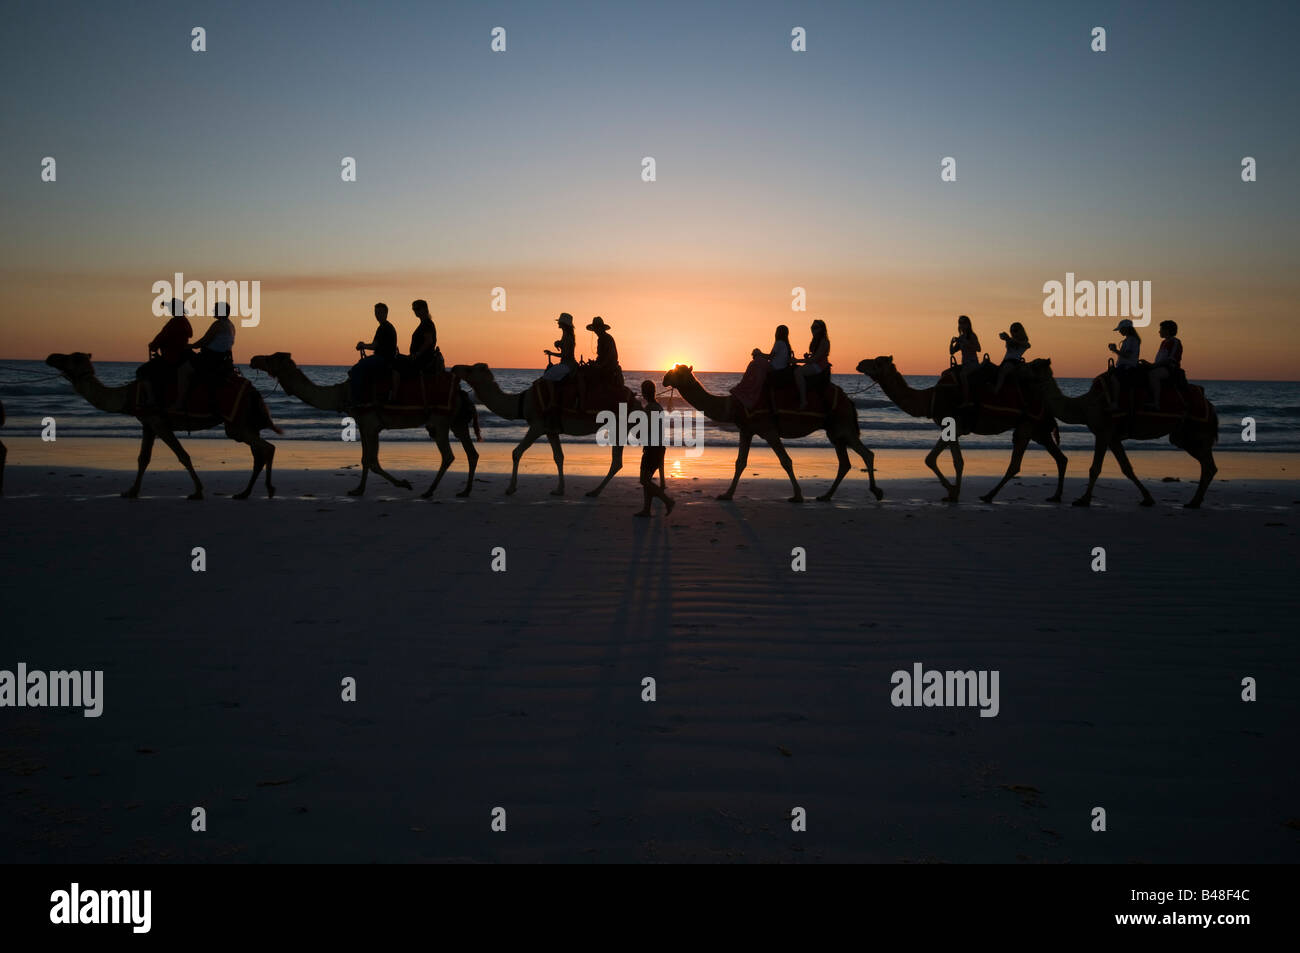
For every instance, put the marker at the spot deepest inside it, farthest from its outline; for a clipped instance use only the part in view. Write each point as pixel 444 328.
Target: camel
pixel 253 417
pixel 1092 409
pixel 523 407
pixel 371 420
pixel 841 427
pixel 940 403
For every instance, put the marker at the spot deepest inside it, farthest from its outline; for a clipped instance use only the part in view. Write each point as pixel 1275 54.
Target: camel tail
pixel 267 422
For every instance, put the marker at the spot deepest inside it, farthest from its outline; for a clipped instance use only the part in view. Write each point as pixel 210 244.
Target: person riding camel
pixel 968 343
pixel 566 345
pixel 1017 342
pixel 1126 361
pixel 770 370
pixel 215 357
pixel 169 348
pixel 1169 361
pixel 816 360
pixel 424 356
pixel 606 352
pixel 378 365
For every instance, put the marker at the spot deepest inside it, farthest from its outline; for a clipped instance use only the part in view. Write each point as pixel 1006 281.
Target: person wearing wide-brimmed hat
pixel 606 351
pixel 567 345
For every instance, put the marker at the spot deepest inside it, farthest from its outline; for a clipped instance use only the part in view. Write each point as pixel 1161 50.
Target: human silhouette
pixel 1127 361
pixel 379 364
pixel 966 342
pixel 169 349
pixel 1168 363
pixel 652 457
pixel 1017 341
pixel 214 360
pixel 815 362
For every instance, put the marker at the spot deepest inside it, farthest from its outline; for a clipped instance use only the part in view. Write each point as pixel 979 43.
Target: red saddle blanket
pixel 1016 398
pixel 433 392
pixel 207 398
pixel 599 394
pixel 784 399
pixel 1175 402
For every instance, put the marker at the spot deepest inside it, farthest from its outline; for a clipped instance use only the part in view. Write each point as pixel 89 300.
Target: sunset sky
pixel 775 169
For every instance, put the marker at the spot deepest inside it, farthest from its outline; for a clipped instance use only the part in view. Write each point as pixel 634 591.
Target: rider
pixel 1017 344
pixel 378 364
pixel 1169 360
pixel 968 343
pixel 606 352
pixel 424 355
pixel 169 348
pixel 567 343
pixel 816 360
pixel 1126 361
pixel 214 358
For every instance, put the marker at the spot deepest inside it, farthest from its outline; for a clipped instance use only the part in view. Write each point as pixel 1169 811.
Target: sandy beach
pixel 523 689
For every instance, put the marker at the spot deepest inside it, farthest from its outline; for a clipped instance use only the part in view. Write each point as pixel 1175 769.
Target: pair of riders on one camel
pixel 1128 371
pixel 770 371
pixel 604 372
pixel 172 357
pixel 381 372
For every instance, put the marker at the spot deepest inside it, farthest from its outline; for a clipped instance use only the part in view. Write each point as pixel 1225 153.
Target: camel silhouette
pixel 371 420
pixel 252 417
pixel 938 403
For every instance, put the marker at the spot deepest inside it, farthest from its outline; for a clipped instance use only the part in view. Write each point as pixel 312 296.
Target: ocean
pixel 32 391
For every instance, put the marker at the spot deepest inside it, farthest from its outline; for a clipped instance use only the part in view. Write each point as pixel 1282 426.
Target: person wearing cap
pixel 606 351
pixel 1017 341
pixel 215 357
pixel 1169 360
pixel 1126 360
pixel 169 348
pixel 378 364
pixel 566 346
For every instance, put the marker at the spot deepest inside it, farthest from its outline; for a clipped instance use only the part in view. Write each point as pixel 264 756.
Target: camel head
pixel 72 366
pixel 472 372
pixel 679 375
pixel 877 367
pixel 273 364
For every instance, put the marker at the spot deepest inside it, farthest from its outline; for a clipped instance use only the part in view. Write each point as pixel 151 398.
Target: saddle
pixel 1011 400
pixel 781 396
pixel 599 392
pixel 1178 397
pixel 208 397
pixel 434 390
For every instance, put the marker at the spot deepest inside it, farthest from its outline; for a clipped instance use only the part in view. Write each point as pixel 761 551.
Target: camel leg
pixel 5 453
pixel 1117 448
pixel 439 433
pixel 169 438
pixel 263 452
pixel 1019 442
pixel 787 465
pixel 142 461
pixel 1205 457
pixel 932 461
pixel 471 454
pixel 360 488
pixel 1054 448
pixel 517 454
pixel 270 459
pixel 742 459
pixel 615 464
pixel 376 468
pixel 869 458
pixel 842 454
pixel 1098 458
pixel 557 453
pixel 258 463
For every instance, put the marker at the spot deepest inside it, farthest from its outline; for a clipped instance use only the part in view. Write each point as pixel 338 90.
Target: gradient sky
pixel 522 169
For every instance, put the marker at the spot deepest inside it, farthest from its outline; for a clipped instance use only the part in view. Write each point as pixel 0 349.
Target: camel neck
pixel 100 395
pixel 297 384
pixel 713 406
pixel 915 403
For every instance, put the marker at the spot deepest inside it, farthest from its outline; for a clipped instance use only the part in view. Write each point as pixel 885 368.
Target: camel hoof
pixel 130 494
pixel 592 493
pixel 557 493
pixel 1147 502
pixel 986 498
pixel 196 495
pixel 879 493
pixel 723 496
pixel 426 494
pixel 270 492
pixel 357 492
pixel 794 499
pixel 1192 505
pixel 241 496
pixel 404 485
pixel 1054 499
pixel 510 490
pixel 824 498
pixel 1081 501
pixel 463 493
